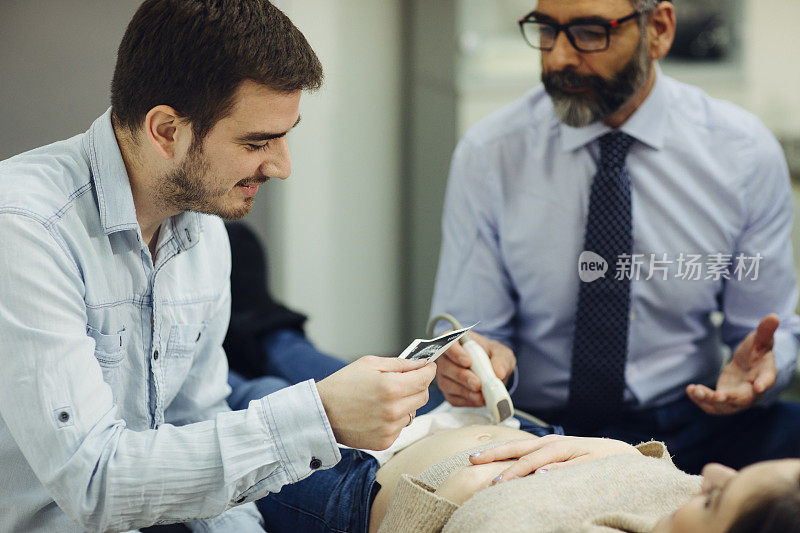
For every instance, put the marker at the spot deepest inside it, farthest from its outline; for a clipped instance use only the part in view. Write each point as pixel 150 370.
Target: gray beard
pixel 607 96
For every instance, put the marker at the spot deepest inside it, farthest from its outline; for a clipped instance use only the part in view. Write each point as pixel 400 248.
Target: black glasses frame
pixel 608 25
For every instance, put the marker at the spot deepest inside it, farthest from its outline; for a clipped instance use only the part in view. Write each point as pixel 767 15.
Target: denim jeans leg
pixel 336 500
pixel 291 356
pixel 244 390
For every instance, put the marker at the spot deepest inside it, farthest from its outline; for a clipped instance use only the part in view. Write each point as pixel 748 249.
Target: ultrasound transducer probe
pixel 498 401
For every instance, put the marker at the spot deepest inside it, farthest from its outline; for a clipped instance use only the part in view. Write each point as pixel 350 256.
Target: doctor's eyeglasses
pixel 589 34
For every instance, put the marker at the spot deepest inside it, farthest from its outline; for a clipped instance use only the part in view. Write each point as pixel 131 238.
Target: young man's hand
pixel 744 380
pixel 370 400
pixel 460 385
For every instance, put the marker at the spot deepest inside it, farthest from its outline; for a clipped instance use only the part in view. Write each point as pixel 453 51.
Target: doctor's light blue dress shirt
pixel 709 187
pixel 112 375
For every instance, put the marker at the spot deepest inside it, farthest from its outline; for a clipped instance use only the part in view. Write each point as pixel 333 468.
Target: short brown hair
pixel 193 54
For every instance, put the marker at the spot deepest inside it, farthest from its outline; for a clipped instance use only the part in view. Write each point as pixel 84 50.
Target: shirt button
pixel 63 416
pixel 155 355
pixel 315 463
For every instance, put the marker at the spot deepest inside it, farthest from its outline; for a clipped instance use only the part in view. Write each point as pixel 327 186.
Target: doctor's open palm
pixel 745 379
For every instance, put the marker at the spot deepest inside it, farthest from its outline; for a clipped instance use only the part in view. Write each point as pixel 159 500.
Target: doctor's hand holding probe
pixel 475 372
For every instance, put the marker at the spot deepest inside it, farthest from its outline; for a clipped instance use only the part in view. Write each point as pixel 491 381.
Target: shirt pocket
pixel 184 339
pixel 109 350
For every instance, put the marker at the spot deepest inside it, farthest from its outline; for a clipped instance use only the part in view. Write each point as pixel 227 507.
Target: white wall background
pixel 772 63
pixel 56 61
pixel 334 226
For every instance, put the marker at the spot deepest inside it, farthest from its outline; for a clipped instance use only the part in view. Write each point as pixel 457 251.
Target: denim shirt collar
pixel 647 124
pixel 113 188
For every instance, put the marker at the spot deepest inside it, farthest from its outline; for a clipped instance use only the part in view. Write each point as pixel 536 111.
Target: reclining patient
pixel 444 482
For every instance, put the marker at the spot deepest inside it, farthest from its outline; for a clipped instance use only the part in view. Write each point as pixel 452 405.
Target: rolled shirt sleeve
pixel 61 414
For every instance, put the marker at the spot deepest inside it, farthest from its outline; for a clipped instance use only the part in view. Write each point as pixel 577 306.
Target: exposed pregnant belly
pixel 429 451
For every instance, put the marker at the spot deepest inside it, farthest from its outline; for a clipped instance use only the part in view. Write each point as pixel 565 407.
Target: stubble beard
pixel 185 189
pixel 605 96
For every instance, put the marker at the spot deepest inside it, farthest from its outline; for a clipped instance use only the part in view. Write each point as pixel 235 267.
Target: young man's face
pixel 242 151
pixel 587 87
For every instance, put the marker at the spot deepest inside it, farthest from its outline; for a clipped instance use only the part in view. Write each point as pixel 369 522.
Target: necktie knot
pixel 614 147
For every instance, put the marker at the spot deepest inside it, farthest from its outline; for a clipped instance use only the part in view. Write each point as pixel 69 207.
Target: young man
pixel 115 296
pixel 594 225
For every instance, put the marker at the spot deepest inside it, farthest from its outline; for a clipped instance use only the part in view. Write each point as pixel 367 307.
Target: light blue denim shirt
pixel 112 373
pixel 707 178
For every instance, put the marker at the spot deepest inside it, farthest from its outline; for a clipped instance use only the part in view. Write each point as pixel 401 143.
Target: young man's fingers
pixel 410 404
pixel 414 381
pixel 396 385
pixel 395 364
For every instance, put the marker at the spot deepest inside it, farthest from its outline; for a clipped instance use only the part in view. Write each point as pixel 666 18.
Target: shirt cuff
pixel 301 429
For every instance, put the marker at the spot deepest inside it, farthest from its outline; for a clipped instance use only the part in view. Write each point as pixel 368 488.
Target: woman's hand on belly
pixel 549 453
pixel 463 482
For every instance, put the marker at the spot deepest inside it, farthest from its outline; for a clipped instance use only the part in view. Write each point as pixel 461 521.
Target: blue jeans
pixel 289 358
